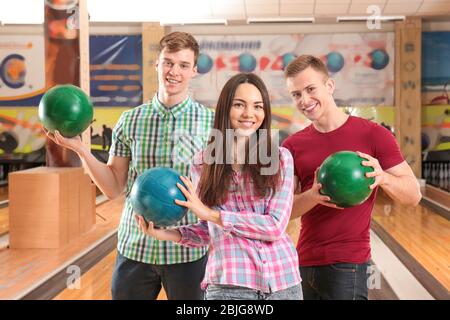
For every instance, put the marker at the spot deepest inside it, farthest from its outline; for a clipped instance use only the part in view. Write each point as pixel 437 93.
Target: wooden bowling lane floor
pixel 96 283
pixel 438 195
pixel 3 192
pixel 22 270
pixel 424 234
pixel 4 221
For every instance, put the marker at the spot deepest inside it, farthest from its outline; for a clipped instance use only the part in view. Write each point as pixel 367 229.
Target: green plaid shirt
pixel 154 136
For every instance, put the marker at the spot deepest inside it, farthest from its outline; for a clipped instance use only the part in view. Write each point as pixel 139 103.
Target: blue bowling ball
pixel 335 61
pixel 247 62
pixel 153 196
pixel 204 63
pixel 380 59
pixel 287 58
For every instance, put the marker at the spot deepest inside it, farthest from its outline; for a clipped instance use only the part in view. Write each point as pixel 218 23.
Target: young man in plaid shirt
pixel 164 132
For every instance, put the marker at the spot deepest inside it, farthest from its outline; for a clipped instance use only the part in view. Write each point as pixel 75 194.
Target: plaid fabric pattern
pixel 152 135
pixel 253 249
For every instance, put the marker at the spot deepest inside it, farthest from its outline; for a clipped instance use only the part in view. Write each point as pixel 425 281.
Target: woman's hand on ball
pixel 194 203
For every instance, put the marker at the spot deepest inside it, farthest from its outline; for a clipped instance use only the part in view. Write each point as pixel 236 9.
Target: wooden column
pixel 65 61
pixel 408 46
pixel 84 59
pixel 152 33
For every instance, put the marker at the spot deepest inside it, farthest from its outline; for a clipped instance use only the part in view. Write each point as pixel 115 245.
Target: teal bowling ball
pixel 153 196
pixel 66 108
pixel 379 59
pixel 247 62
pixel 334 61
pixel 204 63
pixel 287 58
pixel 344 180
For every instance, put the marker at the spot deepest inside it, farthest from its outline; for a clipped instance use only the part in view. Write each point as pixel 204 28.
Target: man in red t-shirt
pixel 334 244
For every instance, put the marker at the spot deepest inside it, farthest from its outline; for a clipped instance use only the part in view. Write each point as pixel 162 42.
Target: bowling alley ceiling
pixel 11 11
pixel 322 8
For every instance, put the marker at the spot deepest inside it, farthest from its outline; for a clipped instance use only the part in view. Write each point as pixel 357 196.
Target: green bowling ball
pixel 66 108
pixel 344 180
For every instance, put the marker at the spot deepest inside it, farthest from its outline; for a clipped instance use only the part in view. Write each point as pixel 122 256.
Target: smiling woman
pixel 154 91
pixel 247 109
pixel 240 207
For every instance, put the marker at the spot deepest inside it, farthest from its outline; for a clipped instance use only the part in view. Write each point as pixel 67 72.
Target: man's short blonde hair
pixel 303 62
pixel 177 41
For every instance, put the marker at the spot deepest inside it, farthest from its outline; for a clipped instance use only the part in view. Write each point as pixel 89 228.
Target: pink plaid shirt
pixel 253 249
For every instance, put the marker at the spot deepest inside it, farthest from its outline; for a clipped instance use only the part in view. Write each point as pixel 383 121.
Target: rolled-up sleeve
pixel 119 146
pixel 195 235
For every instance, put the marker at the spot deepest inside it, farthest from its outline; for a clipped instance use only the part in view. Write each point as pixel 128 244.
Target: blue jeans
pixel 228 292
pixel 133 280
pixel 339 281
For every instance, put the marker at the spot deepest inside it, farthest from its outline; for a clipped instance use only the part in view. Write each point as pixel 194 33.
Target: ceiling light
pixel 180 22
pixel 369 18
pixel 280 20
pixel 22 12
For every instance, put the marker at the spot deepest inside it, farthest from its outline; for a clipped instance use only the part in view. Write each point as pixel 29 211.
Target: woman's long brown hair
pixel 216 177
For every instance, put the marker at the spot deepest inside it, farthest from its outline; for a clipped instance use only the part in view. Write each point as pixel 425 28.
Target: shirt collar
pixel 175 111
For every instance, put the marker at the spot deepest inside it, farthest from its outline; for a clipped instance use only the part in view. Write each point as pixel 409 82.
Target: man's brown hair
pixel 303 62
pixel 177 41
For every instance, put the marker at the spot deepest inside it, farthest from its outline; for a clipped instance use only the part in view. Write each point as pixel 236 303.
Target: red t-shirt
pixel 330 235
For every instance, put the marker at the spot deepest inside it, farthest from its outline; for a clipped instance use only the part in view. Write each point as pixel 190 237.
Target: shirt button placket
pixel 167 127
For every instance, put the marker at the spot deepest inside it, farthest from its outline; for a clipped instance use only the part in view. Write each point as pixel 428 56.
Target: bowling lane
pixel 24 270
pixel 4 218
pixel 4 221
pixel 3 192
pixel 96 283
pixel 421 232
